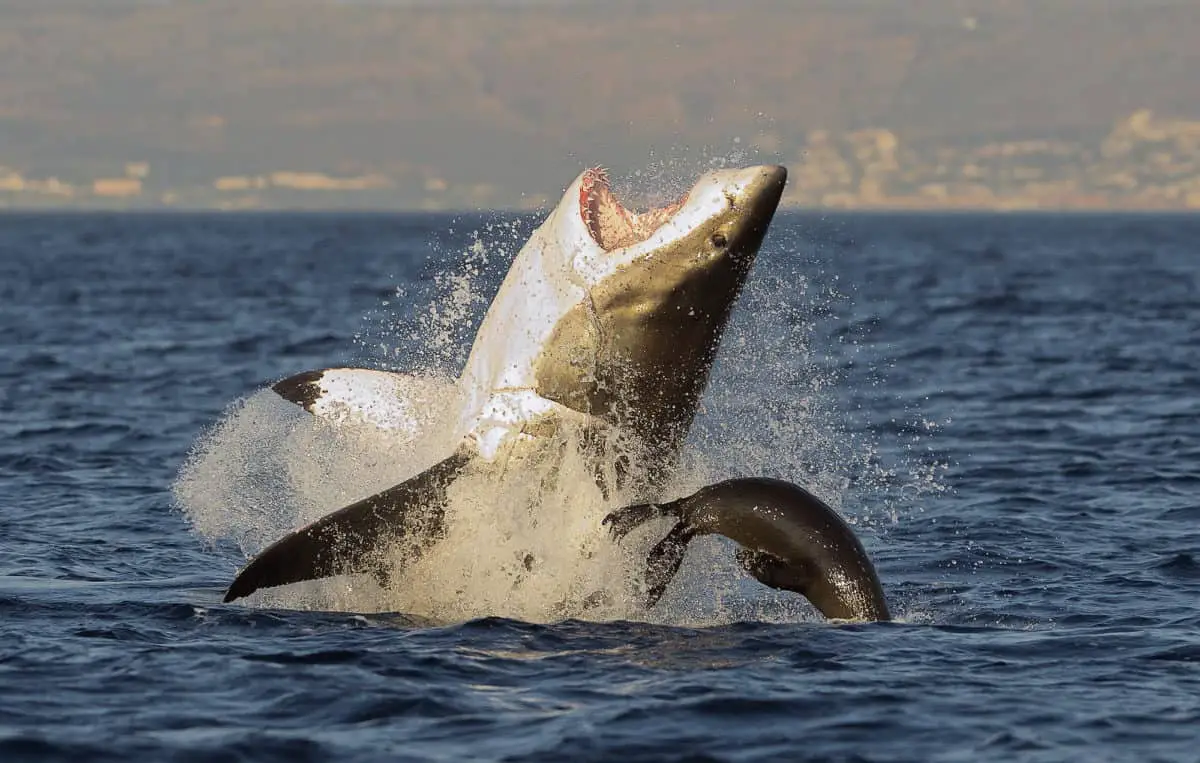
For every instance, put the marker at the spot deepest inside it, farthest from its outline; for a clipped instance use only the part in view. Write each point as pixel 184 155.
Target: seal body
pixel 790 539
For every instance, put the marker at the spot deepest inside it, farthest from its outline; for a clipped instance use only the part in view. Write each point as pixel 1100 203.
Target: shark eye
pixel 719 240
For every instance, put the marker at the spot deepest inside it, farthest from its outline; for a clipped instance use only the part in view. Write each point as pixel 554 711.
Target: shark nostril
pixel 719 240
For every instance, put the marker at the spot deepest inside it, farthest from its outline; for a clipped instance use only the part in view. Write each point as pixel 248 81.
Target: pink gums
pixel 610 223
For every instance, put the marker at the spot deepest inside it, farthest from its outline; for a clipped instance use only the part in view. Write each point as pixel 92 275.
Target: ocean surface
pixel 1007 407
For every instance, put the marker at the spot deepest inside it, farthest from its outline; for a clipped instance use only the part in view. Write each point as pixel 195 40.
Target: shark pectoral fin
pixel 386 400
pixel 664 560
pixel 350 539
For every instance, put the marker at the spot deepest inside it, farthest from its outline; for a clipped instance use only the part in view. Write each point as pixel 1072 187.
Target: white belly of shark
pixel 595 352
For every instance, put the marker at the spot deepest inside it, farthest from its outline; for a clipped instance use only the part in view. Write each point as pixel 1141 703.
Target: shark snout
pixel 757 189
pixel 750 197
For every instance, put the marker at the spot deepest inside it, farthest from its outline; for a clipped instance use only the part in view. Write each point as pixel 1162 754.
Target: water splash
pixel 529 544
pixel 268 467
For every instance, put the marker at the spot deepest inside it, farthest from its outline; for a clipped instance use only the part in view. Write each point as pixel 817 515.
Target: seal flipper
pixel 664 560
pixel 348 540
pixel 774 572
pixel 625 520
pixel 667 555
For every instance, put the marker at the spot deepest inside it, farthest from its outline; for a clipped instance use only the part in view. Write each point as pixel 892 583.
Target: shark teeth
pixel 610 224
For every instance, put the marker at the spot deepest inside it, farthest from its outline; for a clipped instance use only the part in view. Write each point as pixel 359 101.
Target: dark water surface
pixel 1044 370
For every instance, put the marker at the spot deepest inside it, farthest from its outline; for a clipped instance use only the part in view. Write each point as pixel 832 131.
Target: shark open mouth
pixel 610 223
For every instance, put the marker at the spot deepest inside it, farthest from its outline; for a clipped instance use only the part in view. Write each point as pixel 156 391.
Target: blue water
pixel 1007 405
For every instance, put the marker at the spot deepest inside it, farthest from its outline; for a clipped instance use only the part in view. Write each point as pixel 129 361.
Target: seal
pixel 790 539
pixel 603 333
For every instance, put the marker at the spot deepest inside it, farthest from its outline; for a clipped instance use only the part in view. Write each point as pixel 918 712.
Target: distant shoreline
pixel 1081 210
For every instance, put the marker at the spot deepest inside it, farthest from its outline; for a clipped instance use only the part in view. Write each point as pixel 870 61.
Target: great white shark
pixel 601 337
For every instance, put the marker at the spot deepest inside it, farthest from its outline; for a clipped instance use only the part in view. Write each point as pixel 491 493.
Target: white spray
pixel 269 467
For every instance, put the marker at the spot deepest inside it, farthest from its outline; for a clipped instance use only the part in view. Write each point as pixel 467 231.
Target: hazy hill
pixel 519 94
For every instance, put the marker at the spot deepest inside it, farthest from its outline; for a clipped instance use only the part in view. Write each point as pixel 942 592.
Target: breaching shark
pixel 605 328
